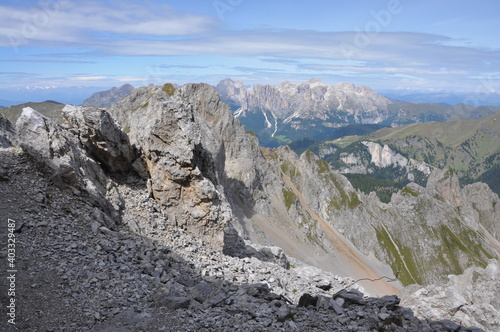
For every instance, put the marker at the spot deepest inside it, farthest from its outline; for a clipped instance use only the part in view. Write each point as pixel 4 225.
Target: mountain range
pixel 287 112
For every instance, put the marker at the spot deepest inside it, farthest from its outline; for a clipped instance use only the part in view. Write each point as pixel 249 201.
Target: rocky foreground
pixel 144 224
pixel 76 274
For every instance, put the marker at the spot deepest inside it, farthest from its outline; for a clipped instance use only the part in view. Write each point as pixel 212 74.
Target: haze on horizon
pixel 415 45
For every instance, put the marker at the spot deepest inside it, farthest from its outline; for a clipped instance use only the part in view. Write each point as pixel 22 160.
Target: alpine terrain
pixel 163 213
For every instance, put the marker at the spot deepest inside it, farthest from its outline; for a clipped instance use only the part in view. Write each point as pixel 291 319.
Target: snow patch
pixel 268 124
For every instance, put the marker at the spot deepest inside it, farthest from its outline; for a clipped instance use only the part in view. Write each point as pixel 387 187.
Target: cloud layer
pixel 78 31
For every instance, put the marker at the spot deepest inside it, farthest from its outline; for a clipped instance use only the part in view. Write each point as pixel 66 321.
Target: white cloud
pixel 87 21
pixel 91 30
pixel 89 78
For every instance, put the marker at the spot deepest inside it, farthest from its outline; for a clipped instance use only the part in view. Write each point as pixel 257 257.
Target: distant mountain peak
pixel 109 97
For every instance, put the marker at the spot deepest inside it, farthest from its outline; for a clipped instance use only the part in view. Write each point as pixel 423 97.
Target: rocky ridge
pixel 183 165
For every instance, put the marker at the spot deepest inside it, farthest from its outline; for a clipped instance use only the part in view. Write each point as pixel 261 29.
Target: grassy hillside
pixel 49 108
pixel 471 147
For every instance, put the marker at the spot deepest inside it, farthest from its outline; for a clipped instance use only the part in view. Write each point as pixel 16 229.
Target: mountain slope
pixel 174 166
pixel 469 147
pixel 49 108
pixel 388 159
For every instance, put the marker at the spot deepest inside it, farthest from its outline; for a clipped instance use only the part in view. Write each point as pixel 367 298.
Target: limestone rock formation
pixel 100 137
pixel 370 157
pixel 62 157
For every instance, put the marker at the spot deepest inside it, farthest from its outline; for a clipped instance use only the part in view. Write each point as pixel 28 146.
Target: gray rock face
pixel 470 299
pixel 182 154
pixel 6 132
pixel 63 159
pixel 100 137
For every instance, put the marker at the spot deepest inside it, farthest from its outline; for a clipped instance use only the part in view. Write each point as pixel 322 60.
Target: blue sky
pixel 422 45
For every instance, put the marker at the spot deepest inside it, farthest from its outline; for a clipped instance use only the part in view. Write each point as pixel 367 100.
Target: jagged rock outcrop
pixel 189 144
pixel 101 137
pixel 108 97
pixel 470 299
pixel 63 159
pixel 6 132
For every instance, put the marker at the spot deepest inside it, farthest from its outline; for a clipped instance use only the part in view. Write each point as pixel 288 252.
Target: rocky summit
pixel 161 213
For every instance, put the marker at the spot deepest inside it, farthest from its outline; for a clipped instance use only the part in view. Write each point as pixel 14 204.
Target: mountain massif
pixel 168 175
pixel 287 112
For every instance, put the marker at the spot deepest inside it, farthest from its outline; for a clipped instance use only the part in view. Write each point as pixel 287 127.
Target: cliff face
pixel 423 233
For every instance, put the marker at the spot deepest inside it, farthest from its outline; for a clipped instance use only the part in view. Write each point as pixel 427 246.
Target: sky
pixel 414 45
